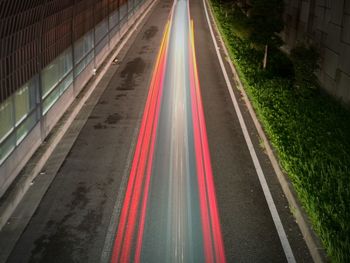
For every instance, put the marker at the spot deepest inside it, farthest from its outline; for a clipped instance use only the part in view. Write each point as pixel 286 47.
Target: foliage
pixel 265 18
pixel 310 134
pixel 280 64
pixel 305 60
pixel 258 21
pixel 233 13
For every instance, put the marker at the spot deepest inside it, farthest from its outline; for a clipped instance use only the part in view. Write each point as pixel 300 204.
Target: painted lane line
pixel 142 163
pixel 133 192
pixel 151 154
pixel 208 201
pixel 272 207
pixel 126 226
pixel 136 194
pixel 214 214
pixel 139 165
pixel 312 241
pixel 207 239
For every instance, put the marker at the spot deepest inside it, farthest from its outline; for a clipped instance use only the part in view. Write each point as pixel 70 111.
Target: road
pixel 161 171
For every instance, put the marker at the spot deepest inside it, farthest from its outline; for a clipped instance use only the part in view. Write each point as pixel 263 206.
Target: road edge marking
pixel 312 241
pixel 272 207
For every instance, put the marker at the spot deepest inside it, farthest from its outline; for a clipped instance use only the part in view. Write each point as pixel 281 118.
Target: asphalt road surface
pixel 167 124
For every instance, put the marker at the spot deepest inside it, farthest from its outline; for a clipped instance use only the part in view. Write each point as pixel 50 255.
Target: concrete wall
pixel 326 24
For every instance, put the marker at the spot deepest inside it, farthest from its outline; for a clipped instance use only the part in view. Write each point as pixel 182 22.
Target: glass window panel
pixel 78 50
pixel 89 58
pixel 50 76
pixel 123 11
pixel 114 31
pixel 84 63
pixel 101 30
pixel 56 71
pixel 79 68
pixel 83 46
pixel 57 92
pixel 101 45
pixel 6 118
pixel 130 5
pixel 22 106
pixel 66 83
pixel 6 147
pixel 50 100
pixel 66 63
pixel 25 100
pixel 25 127
pixel 114 19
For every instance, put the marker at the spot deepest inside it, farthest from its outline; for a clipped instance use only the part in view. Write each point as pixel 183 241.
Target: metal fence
pixel 45 47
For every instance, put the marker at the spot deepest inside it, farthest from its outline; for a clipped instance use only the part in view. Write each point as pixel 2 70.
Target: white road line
pixel 272 207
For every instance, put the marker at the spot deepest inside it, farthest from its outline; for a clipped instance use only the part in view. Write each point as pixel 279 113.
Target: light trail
pixel 125 231
pixel 210 215
pixel 170 211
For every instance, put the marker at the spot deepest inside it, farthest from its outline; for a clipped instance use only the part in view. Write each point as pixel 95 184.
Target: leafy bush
pixel 309 133
pixel 280 65
pixel 305 60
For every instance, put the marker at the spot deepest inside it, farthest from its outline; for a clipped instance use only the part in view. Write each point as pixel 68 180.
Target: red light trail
pixel 174 85
pixel 208 204
pixel 143 153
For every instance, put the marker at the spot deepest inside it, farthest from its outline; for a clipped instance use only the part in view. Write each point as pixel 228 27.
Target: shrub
pixel 305 60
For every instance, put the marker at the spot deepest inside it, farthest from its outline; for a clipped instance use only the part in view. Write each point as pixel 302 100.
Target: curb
pixel 312 241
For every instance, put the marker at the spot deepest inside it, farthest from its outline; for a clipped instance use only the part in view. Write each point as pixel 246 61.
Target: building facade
pixel 325 24
pixel 49 49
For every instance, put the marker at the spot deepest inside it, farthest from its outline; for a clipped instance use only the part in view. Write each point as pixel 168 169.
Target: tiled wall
pixel 326 24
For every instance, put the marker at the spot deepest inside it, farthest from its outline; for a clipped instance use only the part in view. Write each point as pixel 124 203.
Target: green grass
pixel 310 134
pixel 236 16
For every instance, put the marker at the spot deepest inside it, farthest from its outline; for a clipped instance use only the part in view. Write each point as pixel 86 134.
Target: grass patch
pixel 235 16
pixel 311 135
